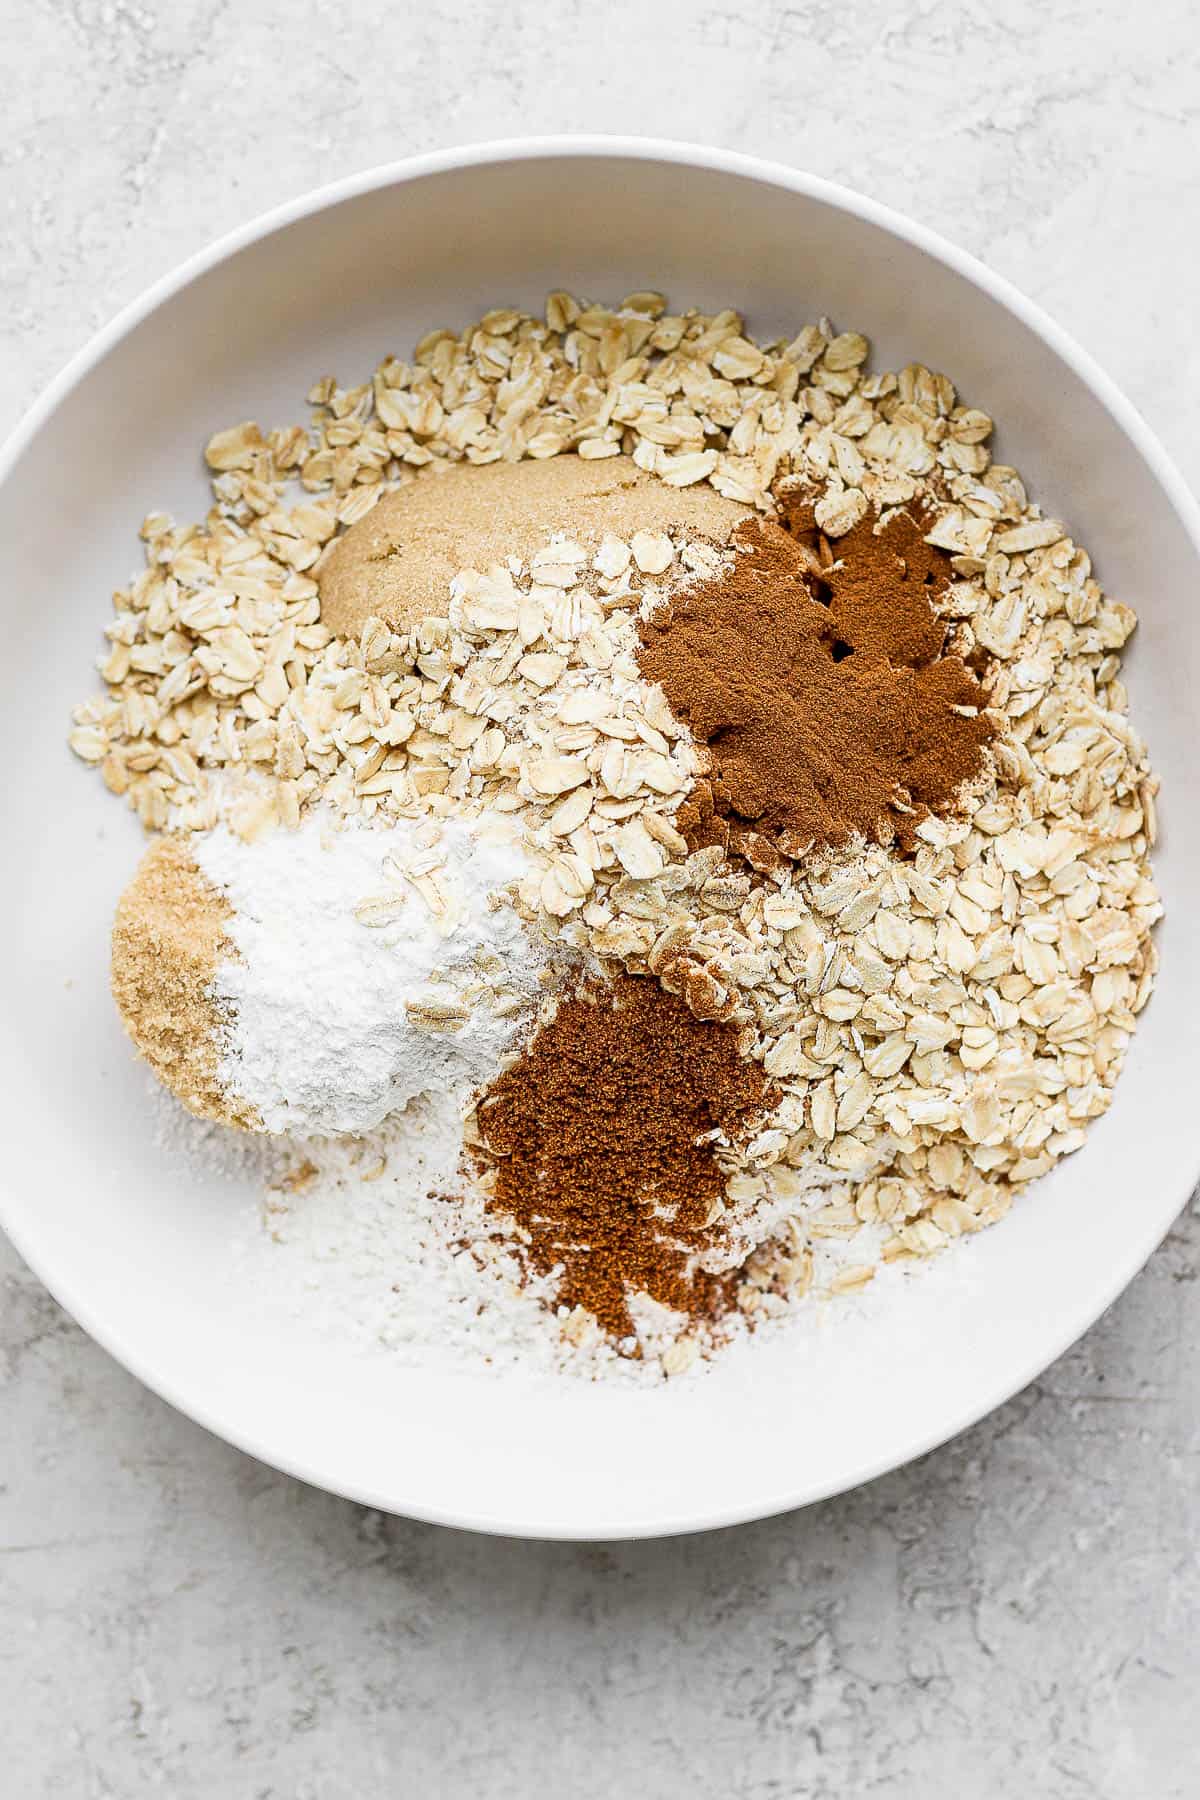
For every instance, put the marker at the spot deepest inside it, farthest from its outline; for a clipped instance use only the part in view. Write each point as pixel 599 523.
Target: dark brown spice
pixel 601 1142
pixel 817 676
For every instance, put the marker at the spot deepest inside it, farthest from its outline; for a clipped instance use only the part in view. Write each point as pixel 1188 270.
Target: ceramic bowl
pixel 137 1244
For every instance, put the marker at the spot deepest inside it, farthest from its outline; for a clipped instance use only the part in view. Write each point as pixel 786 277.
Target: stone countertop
pixel 1013 1615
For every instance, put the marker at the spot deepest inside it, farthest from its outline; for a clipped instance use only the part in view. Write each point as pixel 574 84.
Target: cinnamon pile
pixel 601 1139
pixel 817 675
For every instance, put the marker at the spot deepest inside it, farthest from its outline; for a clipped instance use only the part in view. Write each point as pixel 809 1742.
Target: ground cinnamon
pixel 817 675
pixel 601 1143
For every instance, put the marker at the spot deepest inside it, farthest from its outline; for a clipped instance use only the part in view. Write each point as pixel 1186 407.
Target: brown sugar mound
pixel 817 676
pixel 600 1140
pixel 398 562
pixel 168 937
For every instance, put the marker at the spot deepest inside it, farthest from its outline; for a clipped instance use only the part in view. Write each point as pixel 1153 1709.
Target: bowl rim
pixel 684 155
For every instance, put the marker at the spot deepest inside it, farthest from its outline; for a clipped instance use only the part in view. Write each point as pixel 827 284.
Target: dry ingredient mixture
pixel 809 727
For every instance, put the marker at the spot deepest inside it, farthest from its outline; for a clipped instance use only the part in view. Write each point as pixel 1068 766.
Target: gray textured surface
pixel 1014 1615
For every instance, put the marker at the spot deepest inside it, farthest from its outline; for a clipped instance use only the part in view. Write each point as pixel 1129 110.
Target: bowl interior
pixel 139 1246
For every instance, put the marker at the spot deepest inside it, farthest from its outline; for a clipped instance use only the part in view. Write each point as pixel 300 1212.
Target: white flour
pixel 339 933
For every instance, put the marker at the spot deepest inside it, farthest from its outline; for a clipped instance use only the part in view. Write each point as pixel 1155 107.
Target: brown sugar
pixel 818 677
pixel 398 562
pixel 168 938
pixel 602 1137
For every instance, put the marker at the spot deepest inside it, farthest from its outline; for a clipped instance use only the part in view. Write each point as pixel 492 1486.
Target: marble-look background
pixel 1015 1615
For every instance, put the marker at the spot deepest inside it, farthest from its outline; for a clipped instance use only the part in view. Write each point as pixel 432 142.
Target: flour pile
pixel 369 966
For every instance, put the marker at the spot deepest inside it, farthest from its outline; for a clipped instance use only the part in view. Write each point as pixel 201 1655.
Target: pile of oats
pixel 944 1027
pixel 224 621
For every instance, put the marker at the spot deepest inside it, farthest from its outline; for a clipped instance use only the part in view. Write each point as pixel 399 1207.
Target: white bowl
pixel 136 1247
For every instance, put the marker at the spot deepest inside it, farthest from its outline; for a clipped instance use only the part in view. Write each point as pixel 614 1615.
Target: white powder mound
pixel 339 933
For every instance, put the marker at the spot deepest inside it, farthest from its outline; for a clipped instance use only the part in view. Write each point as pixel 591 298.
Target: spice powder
pixel 603 1138
pixel 817 676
